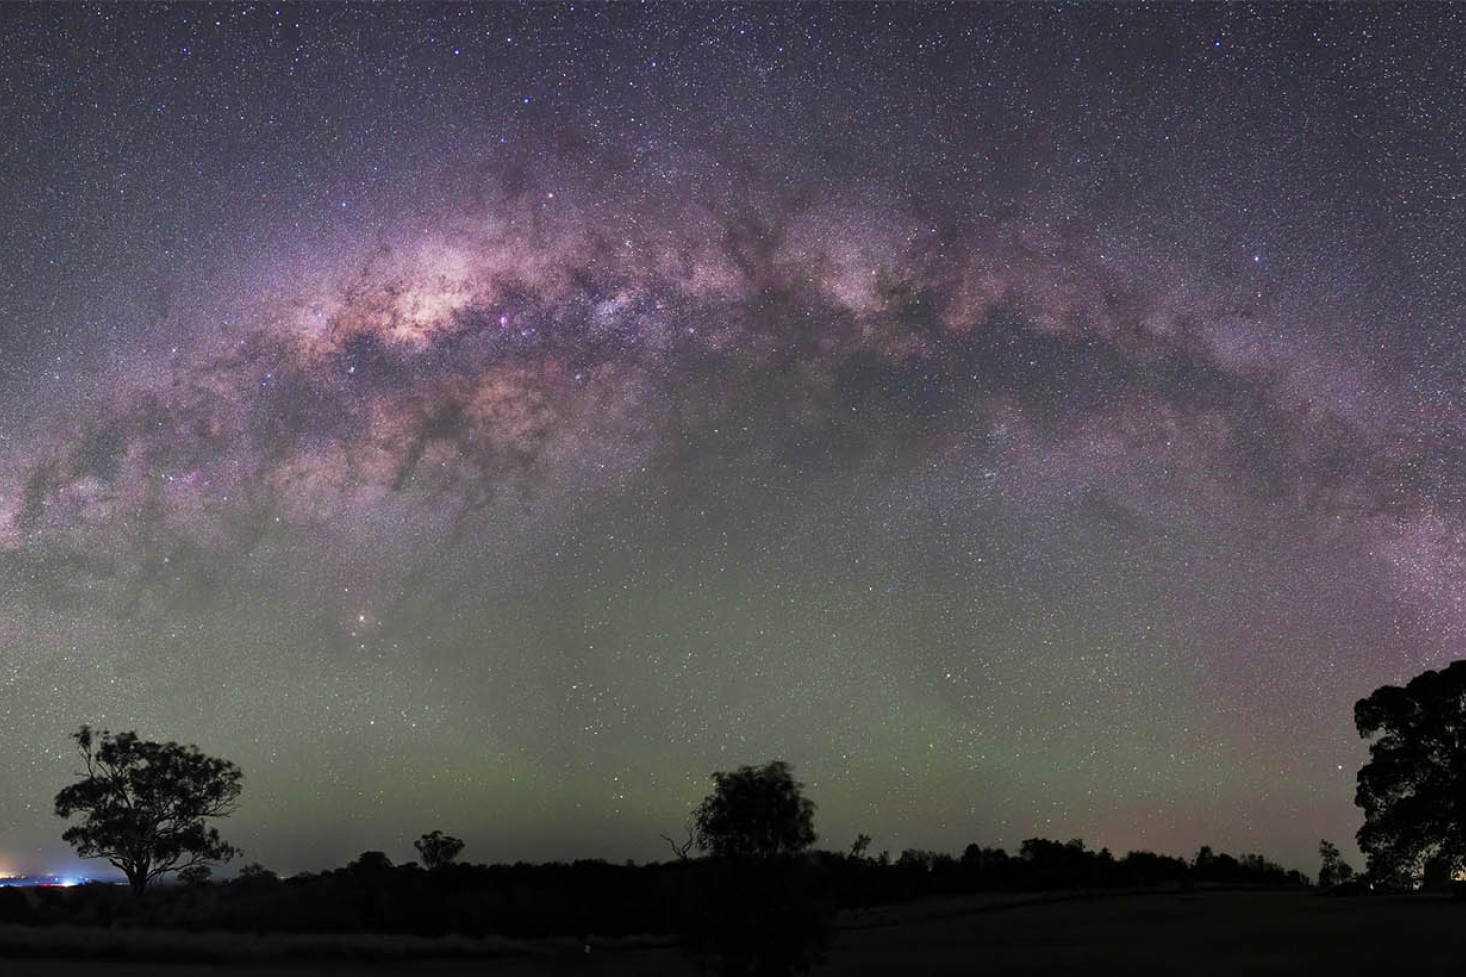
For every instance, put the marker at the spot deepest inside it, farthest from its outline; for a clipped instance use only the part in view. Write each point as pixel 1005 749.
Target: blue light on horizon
pixel 59 881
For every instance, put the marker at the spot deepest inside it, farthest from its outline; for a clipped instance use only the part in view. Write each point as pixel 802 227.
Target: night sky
pixel 1025 420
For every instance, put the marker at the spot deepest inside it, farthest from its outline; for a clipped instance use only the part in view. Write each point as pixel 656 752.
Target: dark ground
pixel 1200 933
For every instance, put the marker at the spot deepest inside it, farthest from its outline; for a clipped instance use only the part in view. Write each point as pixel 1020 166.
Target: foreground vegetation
pixel 761 902
pixel 594 898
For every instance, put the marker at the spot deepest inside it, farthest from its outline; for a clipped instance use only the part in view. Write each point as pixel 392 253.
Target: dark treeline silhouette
pixel 761 902
pixel 1040 865
pixel 592 897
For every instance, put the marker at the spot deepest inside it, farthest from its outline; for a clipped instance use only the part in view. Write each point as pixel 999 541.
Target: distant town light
pixel 50 881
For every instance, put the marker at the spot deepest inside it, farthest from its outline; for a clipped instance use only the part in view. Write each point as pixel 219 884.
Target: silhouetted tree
pixel 1413 789
pixel 371 863
pixel 1333 870
pixel 256 874
pixel 143 805
pixel 985 867
pixel 762 909
pixel 1148 868
pixel 755 812
pixel 1052 865
pixel 437 849
pixel 682 850
pixel 195 875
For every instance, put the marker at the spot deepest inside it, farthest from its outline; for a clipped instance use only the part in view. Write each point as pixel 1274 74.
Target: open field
pixel 1173 933
pixel 1164 933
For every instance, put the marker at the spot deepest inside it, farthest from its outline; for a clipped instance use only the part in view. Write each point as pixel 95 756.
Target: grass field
pixel 1174 933
pixel 1200 933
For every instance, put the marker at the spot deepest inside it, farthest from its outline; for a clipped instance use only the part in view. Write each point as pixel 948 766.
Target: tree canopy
pixel 755 812
pixel 143 805
pixel 437 850
pixel 1413 789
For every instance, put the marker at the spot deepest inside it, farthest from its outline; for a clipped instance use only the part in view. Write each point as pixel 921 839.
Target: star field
pixel 1026 420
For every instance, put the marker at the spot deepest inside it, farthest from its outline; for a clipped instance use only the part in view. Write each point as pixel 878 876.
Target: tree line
pixel 747 891
pixel 747 888
pixel 144 807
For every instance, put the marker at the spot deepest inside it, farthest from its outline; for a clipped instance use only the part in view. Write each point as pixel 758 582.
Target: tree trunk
pixel 139 883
